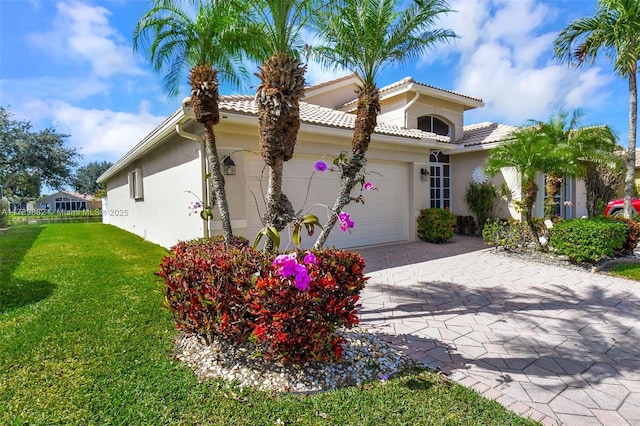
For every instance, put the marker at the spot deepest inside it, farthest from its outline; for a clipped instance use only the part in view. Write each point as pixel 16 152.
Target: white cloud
pixel 505 57
pixel 82 33
pixel 98 133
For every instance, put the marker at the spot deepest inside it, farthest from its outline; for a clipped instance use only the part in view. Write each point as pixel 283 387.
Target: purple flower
pixel 368 186
pixel 345 222
pixel 320 166
pixel 310 258
pixel 288 266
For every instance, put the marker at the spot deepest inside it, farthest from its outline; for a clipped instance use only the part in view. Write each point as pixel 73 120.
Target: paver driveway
pixel 556 345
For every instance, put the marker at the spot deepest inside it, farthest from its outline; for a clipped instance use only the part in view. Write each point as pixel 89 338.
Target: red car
pixel 614 207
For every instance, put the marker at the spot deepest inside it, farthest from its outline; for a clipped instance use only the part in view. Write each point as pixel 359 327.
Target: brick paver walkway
pixel 556 345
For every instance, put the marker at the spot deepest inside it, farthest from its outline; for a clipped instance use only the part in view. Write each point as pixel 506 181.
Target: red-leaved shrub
pixel 235 293
pixel 206 283
pixel 633 234
pixel 297 326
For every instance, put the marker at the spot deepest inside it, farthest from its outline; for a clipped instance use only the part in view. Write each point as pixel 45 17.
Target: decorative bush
pixel 298 326
pixel 507 234
pixel 588 240
pixel 466 225
pixel 481 199
pixel 436 225
pixel 239 294
pixel 206 284
pixel 633 234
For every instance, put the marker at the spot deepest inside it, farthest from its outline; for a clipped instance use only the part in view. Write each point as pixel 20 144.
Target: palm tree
pixel 614 29
pixel 572 149
pixel 558 148
pixel 278 45
pixel 528 154
pixel 208 45
pixel 366 36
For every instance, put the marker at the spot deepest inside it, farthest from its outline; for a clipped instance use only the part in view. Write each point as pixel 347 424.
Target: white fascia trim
pixel 460 149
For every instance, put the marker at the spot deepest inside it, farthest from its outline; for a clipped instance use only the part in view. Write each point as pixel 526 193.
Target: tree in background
pixel 614 30
pixel 365 37
pixel 30 159
pixel 84 181
pixel 208 45
pixel 602 180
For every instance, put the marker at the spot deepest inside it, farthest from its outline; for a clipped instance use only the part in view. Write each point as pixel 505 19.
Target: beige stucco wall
pixel 162 216
pixel 394 111
pixel 173 167
pixel 462 166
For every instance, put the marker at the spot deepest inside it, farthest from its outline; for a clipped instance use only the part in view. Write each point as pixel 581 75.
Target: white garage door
pixel 382 219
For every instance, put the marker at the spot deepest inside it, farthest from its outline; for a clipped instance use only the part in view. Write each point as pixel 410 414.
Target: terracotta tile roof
pixel 485 132
pixel 322 116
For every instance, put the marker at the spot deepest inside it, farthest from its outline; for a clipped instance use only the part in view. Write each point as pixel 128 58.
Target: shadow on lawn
pixel 15 243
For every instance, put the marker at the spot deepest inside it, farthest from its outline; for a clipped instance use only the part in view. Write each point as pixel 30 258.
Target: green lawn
pixel 626 270
pixel 83 340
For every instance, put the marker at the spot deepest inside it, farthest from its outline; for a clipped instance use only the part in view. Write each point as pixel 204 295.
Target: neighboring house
pixel 68 201
pixel 421 155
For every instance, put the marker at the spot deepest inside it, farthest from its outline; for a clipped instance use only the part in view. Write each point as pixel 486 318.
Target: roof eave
pixel 153 139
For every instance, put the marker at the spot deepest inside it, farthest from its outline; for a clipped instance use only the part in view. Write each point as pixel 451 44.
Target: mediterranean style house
pixel 421 155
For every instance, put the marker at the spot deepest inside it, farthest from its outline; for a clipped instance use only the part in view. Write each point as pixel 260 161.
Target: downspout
pixel 407 106
pixel 203 169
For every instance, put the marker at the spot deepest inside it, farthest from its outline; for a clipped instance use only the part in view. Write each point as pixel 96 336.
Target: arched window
pixel 429 123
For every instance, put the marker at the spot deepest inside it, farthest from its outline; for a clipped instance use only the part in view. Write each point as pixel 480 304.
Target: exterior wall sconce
pixel 228 166
pixel 424 174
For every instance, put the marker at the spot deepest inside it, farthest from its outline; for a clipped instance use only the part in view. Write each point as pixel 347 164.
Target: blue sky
pixel 70 64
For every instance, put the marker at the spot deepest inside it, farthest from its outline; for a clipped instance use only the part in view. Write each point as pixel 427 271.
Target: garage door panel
pixel 382 219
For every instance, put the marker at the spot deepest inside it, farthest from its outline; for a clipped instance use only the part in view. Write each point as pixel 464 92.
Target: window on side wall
pixel 135 184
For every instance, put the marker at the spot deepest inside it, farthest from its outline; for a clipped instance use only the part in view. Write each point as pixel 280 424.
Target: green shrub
pixel 436 225
pixel 481 200
pixel 588 240
pixel 508 234
pixel 633 233
pixel 236 293
pixel 466 225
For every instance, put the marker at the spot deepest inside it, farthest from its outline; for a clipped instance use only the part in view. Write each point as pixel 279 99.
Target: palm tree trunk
pixel 278 98
pixel 217 189
pixel 631 150
pixel 279 209
pixel 366 118
pixel 528 200
pixel 552 184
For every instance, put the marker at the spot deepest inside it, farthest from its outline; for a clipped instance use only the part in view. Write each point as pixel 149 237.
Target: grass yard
pixel 626 270
pixel 83 340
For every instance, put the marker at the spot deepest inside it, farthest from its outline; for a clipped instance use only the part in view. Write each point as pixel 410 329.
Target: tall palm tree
pixel 366 36
pixel 614 29
pixel 208 45
pixel 278 45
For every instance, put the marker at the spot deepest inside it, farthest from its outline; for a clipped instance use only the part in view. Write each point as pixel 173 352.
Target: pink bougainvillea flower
pixel 368 186
pixel 310 258
pixel 345 222
pixel 320 166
